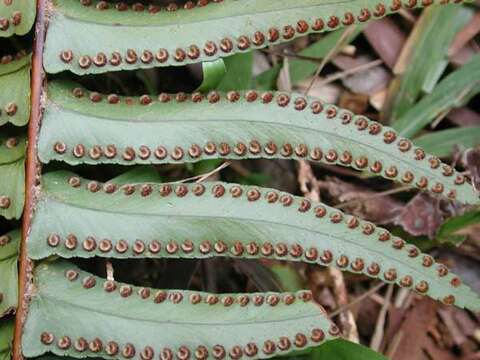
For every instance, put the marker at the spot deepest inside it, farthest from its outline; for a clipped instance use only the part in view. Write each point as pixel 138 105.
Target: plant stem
pixel 329 56
pixel 357 300
pixel 343 74
pixel 32 177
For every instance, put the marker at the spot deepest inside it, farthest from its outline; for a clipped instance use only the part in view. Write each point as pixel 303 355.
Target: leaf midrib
pixel 383 255
pixel 409 164
pixel 230 323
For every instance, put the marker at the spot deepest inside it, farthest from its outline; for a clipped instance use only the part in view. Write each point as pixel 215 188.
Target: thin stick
pixel 327 58
pixel 407 16
pixel 110 271
pixel 354 70
pixel 380 325
pixel 439 119
pixel 305 176
pixel 197 266
pixel 397 339
pixel 359 299
pixel 31 179
pixel 346 318
pixel 214 171
pixel 202 177
pixel 292 55
pixel 374 196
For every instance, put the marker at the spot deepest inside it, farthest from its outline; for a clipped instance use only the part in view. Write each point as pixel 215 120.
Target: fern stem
pixel 32 174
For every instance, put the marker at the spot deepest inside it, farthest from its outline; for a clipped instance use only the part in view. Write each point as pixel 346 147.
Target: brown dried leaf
pixel 309 184
pixel 328 93
pixel 464 322
pixel 412 339
pixel 386 38
pixel 471 159
pixel 421 216
pixel 366 82
pixel 356 103
pixel 380 210
pixel 464 117
pixel 457 335
pixel 464 55
pixel 366 317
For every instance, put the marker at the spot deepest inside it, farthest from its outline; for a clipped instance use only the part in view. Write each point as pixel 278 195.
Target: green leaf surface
pixel 448 232
pixel 422 242
pixel 6 339
pixel 12 193
pixel 17 62
pixel 15 94
pixel 12 175
pixel 78 130
pixel 288 276
pixel 453 91
pixel 12 148
pixel 78 218
pixel 9 244
pixel 203 167
pixel 188 36
pixel 239 72
pixel 340 349
pixel 213 73
pixel 425 56
pixel 165 319
pixel 302 68
pixel 442 143
pixel 138 174
pixel 17 17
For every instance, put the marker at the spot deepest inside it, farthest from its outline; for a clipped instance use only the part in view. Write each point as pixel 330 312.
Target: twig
pixel 32 169
pixel 197 266
pixel 283 79
pixel 343 74
pixel 439 119
pixel 202 177
pixel 380 300
pixel 306 177
pixel 346 318
pixel 292 55
pixel 380 325
pixel 394 343
pixel 339 170
pixel 357 300
pixel 214 171
pixel 109 270
pixel 327 58
pixel 374 196
pixel 403 298
pixel 407 16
